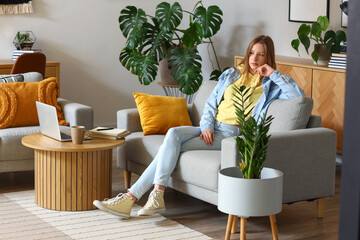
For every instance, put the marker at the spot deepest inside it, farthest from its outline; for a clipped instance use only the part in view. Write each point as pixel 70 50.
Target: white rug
pixel 21 218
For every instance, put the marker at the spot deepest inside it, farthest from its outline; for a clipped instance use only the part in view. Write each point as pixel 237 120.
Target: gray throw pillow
pixel 12 78
pixel 23 77
pixel 290 114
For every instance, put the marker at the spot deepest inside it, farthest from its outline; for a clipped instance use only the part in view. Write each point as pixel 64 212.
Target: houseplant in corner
pixel 326 42
pixel 150 39
pixel 250 190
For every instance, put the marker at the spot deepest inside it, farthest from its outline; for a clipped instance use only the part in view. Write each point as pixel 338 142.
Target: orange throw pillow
pixel 159 113
pixel 17 102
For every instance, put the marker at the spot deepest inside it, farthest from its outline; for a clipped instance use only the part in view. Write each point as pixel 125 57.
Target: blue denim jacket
pixel 277 86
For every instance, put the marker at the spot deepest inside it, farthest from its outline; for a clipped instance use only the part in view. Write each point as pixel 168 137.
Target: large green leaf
pixel 131 22
pixel 304 39
pixel 323 22
pixel 144 66
pixel 192 35
pixel 157 42
pixel 169 16
pixel 304 29
pixel 186 69
pixel 316 30
pixel 209 19
pixel 295 44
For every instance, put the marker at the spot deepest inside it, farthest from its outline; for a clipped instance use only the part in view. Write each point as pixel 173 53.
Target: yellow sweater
pixel 226 110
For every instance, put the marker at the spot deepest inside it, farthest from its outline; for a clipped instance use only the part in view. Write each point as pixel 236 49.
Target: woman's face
pixel 257 57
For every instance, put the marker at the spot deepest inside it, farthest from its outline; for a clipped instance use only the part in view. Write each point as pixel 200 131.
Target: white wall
pixel 84 36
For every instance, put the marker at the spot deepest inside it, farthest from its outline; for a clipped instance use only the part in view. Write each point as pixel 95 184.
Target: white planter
pixel 250 197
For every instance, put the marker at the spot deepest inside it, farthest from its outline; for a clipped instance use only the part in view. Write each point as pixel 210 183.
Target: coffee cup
pixel 77 134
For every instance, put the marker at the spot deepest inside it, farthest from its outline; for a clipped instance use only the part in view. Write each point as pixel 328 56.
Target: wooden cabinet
pixel 326 86
pixel 52 69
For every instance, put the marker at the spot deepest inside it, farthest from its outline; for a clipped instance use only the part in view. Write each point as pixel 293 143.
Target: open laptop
pixel 49 125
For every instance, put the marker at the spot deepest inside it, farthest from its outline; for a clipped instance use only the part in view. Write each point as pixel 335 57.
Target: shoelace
pixel 153 197
pixel 121 197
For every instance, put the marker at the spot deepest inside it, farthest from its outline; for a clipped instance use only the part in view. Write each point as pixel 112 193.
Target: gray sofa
pixel 299 147
pixel 16 157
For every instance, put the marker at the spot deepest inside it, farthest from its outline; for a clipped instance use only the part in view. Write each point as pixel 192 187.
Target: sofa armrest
pixel 77 114
pixel 129 119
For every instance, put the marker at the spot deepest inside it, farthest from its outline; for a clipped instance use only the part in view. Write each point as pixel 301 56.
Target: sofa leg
pixel 127 178
pixel 320 207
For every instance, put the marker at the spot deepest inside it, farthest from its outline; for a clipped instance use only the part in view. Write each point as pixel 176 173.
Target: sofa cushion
pixel 160 113
pixel 199 102
pixel 199 167
pixel 12 78
pixel 17 101
pixel 290 114
pixel 26 77
pixel 10 143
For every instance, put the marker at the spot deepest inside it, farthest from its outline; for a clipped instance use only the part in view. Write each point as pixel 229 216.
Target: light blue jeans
pixel 178 139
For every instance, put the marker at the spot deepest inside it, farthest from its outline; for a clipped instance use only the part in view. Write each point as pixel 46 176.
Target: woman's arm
pixel 289 88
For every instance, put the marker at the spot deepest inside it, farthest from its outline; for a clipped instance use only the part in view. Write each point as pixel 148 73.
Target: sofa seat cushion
pixel 10 142
pixel 142 149
pixel 199 168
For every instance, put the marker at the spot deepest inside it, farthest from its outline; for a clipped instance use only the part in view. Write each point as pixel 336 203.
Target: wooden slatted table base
pixel 71 181
pixel 71 176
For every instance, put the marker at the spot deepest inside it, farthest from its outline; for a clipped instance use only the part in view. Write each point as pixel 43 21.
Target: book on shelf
pixel 337 66
pixel 343 55
pixel 338 61
pixel 110 133
pixel 17 53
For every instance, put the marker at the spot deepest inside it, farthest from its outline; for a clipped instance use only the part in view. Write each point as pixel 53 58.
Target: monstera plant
pixel 151 39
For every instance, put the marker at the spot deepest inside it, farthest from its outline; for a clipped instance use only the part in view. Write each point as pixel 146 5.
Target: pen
pixel 103 129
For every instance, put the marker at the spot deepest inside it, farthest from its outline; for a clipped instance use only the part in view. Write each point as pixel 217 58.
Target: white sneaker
pixel 119 205
pixel 155 203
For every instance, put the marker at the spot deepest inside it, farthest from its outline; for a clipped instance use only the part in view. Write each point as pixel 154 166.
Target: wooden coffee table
pixel 71 176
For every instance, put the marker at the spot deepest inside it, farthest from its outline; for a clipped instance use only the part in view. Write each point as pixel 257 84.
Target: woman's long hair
pixel 268 44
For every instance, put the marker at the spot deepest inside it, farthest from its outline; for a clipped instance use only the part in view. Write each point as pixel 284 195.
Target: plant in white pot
pixel 151 39
pixel 326 41
pixel 250 189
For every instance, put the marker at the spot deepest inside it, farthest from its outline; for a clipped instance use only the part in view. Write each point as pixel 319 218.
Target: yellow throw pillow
pixel 17 102
pixel 159 113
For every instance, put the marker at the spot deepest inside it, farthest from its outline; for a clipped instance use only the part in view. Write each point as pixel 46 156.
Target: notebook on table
pixel 49 125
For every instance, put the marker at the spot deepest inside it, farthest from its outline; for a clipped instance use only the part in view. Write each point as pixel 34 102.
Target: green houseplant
pixel 250 190
pixel 252 144
pixel 151 39
pixel 24 40
pixel 318 32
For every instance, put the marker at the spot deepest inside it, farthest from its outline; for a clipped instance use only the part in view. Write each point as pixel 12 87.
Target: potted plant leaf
pixel 326 41
pixel 150 39
pixel 250 189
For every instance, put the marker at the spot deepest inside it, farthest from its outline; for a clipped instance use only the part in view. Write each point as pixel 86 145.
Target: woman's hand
pixel 265 70
pixel 208 136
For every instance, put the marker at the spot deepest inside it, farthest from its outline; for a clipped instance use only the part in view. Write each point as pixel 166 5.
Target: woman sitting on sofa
pixel 218 121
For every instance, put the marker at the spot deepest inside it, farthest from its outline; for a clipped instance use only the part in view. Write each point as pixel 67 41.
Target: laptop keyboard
pixel 65 136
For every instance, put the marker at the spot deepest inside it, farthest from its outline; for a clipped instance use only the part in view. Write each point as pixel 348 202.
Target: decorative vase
pixel 323 54
pixel 165 73
pixel 24 40
pixel 250 197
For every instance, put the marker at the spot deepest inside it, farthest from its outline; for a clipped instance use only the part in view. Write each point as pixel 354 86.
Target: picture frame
pixel 344 18
pixel 307 11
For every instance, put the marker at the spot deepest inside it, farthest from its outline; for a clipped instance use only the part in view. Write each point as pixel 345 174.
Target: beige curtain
pixel 15 6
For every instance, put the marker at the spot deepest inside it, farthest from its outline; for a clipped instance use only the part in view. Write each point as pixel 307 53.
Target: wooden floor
pixel 296 221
